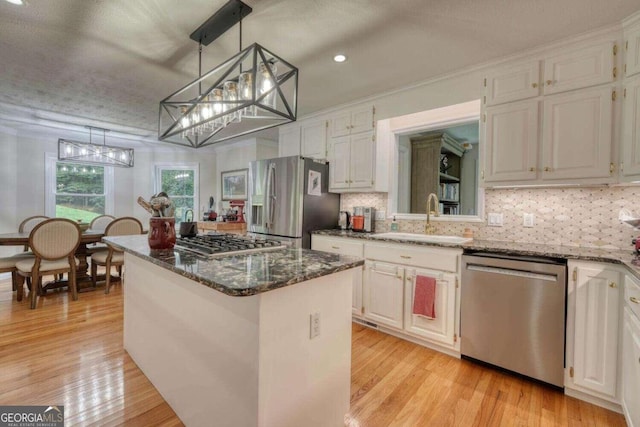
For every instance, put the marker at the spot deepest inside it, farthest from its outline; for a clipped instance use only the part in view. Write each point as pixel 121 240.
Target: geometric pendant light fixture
pixel 251 91
pixel 94 154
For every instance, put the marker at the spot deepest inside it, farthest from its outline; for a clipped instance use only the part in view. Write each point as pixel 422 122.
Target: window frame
pixel 51 160
pixel 194 167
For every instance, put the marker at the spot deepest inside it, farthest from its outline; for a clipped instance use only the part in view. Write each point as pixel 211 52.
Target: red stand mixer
pixel 238 206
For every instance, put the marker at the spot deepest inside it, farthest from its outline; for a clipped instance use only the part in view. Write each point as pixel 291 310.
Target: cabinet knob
pixel 405 257
pixel 335 247
pixel 613 285
pixel 532 169
pixel 547 169
pixel 634 300
pixel 549 82
pixel 534 85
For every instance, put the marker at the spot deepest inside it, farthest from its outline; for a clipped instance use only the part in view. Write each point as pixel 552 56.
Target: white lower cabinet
pixel 631 352
pixel 341 246
pixel 593 316
pixel 389 289
pixel 442 327
pixel 383 294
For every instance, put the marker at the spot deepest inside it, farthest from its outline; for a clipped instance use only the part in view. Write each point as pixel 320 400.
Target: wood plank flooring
pixel 71 353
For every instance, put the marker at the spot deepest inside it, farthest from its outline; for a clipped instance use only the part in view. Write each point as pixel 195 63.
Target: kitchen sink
pixel 428 238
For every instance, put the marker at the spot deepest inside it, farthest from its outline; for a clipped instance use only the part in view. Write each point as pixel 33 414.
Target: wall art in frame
pixel 234 184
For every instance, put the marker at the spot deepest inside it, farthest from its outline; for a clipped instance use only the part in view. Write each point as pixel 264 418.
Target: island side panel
pixel 197 346
pixel 304 381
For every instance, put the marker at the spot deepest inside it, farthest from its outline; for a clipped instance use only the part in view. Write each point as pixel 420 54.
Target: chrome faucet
pixel 428 228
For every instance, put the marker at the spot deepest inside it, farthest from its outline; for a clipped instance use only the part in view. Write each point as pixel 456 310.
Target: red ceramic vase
pixel 162 232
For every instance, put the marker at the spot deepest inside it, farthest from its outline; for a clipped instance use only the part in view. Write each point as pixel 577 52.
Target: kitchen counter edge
pixel 627 258
pixel 221 273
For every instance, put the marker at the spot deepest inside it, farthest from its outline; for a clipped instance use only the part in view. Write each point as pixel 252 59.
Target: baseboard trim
pixel 603 403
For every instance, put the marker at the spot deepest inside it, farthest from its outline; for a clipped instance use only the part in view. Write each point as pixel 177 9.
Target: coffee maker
pixel 369 219
pixel 363 219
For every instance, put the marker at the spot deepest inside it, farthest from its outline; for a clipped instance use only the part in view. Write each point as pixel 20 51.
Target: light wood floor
pixel 71 353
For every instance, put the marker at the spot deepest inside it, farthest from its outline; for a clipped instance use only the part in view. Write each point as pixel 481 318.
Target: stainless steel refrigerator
pixel 289 198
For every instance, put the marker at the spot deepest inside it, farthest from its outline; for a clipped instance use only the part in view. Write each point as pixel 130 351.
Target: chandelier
pixel 251 91
pixel 94 154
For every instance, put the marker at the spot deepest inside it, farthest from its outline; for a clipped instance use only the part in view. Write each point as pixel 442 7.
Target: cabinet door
pixel 631 368
pixel 632 51
pixel 313 139
pixel 361 120
pixel 339 154
pixel 631 128
pixel 344 247
pixel 513 83
pixel 595 335
pixel 289 141
pixel 362 161
pixel 441 328
pixel 577 130
pixel 588 66
pixel 341 124
pixel 511 153
pixel 383 292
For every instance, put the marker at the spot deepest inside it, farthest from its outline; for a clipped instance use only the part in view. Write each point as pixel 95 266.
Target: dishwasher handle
pixel 511 272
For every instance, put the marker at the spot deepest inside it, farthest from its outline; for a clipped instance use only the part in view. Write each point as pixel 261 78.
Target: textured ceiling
pixel 110 62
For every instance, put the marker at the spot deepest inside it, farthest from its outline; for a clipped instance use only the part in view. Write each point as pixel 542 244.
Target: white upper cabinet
pixel 577 135
pixel 339 163
pixel 306 138
pixel 513 132
pixel 362 160
pixel 511 83
pixel 564 134
pixel 632 50
pixel 582 67
pixel 352 121
pixel 289 140
pixel 630 162
pixel 313 139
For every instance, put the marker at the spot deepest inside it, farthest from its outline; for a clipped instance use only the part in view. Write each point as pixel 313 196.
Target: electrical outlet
pixel 380 215
pixel 314 325
pixel 528 220
pixel 495 219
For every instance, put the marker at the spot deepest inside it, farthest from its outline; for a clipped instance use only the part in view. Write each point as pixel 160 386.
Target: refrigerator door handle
pixel 270 195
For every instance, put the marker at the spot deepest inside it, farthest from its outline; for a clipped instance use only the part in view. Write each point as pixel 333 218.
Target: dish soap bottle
pixel 394 224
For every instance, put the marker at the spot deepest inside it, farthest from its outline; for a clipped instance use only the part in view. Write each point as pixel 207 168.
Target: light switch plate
pixel 380 215
pixel 528 220
pixel 495 219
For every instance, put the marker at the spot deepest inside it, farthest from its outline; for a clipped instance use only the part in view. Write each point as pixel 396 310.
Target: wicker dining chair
pixel 54 243
pixel 113 258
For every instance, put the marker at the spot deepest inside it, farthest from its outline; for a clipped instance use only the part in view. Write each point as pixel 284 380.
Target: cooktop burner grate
pixel 218 244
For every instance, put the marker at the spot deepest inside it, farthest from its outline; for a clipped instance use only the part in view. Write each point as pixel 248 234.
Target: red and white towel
pixel 424 297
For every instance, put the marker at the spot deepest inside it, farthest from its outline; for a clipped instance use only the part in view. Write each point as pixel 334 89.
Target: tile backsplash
pixel 584 216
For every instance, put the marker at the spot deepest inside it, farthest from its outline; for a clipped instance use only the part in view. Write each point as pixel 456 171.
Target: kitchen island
pixel 229 341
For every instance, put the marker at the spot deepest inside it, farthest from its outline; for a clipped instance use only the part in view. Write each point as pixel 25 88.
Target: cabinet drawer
pixel 337 245
pixel 632 294
pixel 426 257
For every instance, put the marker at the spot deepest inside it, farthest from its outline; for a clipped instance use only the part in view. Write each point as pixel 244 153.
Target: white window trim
pixel 195 167
pixel 50 161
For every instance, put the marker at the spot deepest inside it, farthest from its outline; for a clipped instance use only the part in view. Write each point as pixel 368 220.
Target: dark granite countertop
pixel 240 275
pixel 627 257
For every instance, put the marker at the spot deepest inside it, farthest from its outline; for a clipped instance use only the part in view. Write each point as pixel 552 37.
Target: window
pixel 180 182
pixel 77 191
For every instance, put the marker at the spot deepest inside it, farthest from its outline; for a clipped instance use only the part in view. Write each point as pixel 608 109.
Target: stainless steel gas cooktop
pixel 226 244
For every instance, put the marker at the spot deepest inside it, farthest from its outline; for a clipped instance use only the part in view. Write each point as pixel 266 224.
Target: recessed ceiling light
pixel 18 2
pixel 339 58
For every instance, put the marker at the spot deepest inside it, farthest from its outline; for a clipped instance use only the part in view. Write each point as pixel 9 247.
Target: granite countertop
pixel 240 275
pixel 627 258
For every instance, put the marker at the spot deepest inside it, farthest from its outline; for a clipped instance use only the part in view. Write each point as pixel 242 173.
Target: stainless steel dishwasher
pixel 513 314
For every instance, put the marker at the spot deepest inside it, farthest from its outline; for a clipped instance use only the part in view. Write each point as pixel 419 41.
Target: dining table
pixel 83 278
